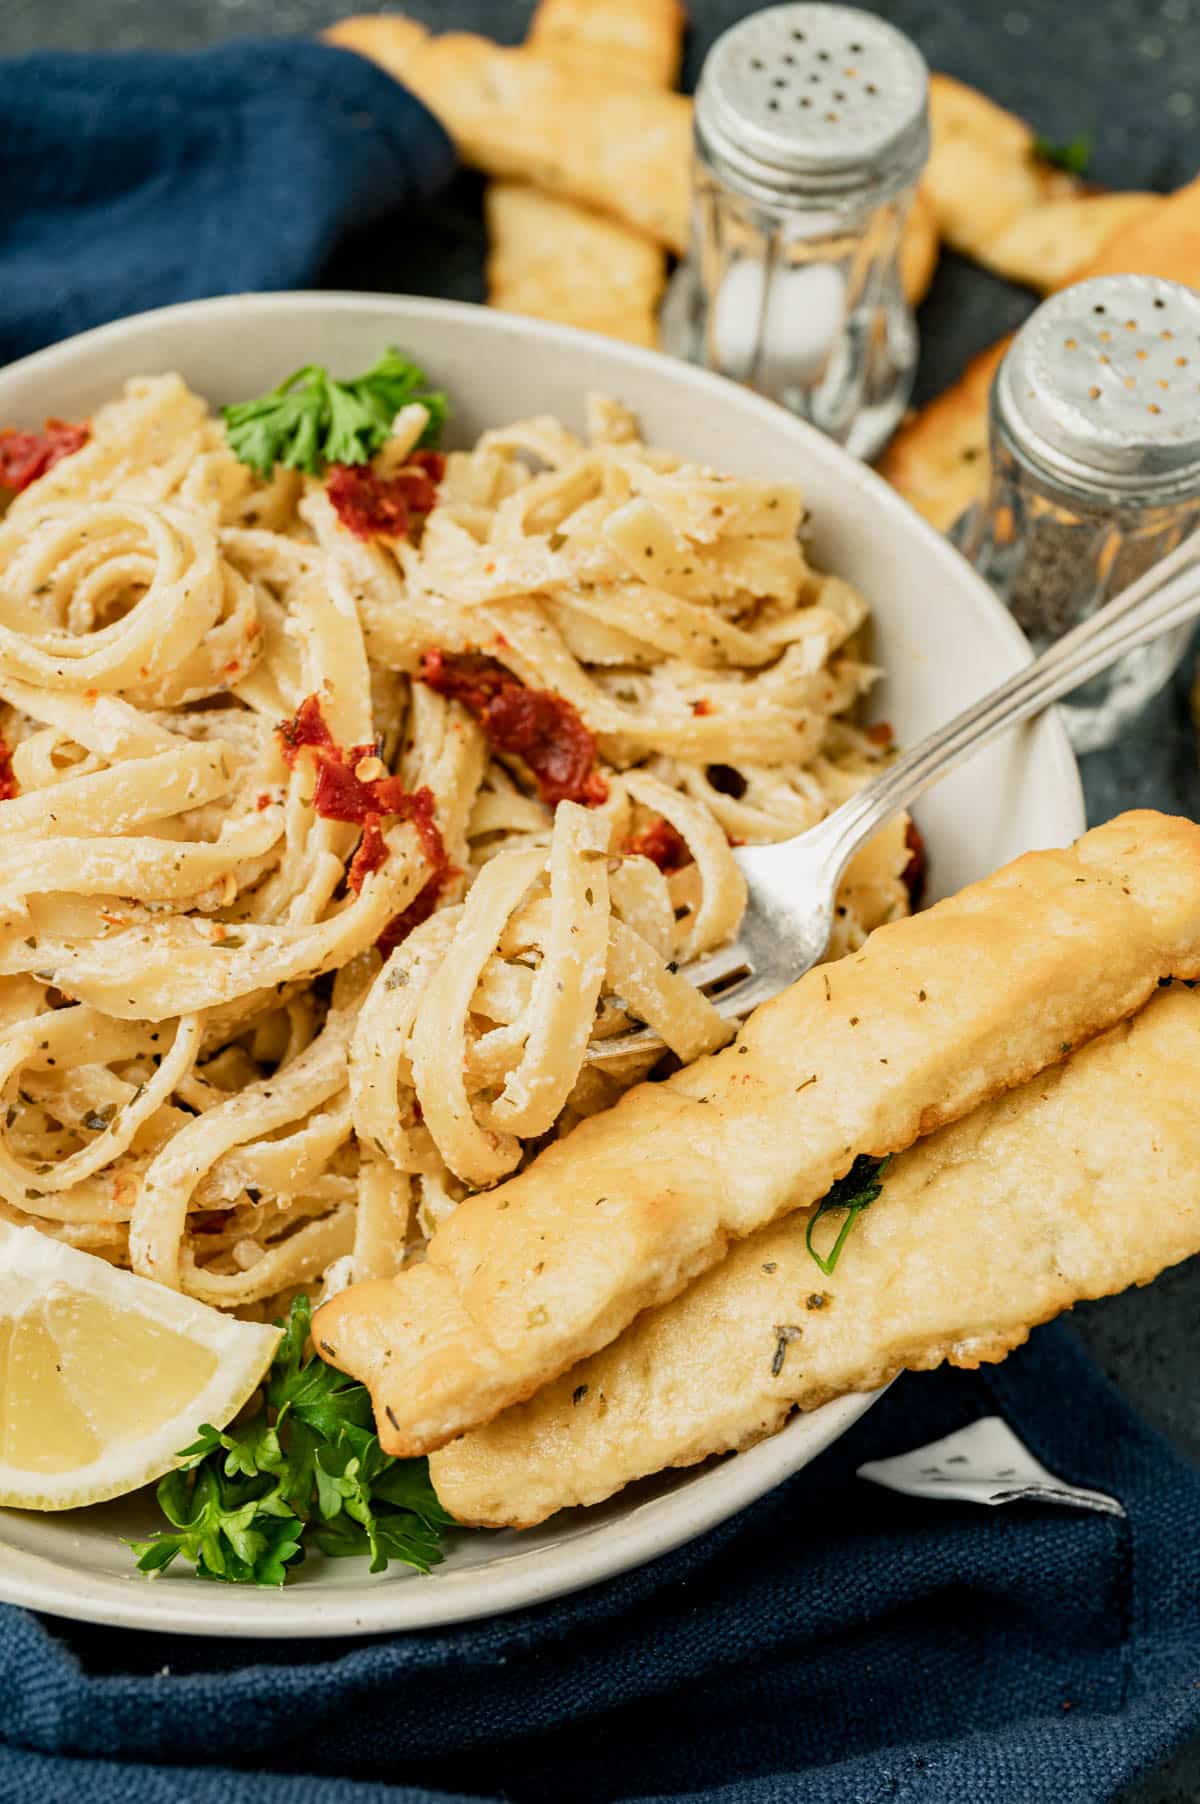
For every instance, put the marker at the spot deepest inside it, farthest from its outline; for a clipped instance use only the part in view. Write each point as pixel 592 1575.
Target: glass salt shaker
pixel 811 130
pixel 1095 474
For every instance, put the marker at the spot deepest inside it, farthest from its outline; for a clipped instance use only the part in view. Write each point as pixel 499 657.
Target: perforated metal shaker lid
pixel 814 100
pixel 1101 388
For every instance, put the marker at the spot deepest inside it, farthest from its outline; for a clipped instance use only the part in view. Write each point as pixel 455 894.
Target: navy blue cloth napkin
pixel 128 182
pixel 835 1643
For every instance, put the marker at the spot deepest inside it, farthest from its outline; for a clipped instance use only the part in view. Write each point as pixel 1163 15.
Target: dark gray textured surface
pixel 1128 71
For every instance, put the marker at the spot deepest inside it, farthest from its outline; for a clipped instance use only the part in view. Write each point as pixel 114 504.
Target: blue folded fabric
pixel 836 1642
pixel 133 181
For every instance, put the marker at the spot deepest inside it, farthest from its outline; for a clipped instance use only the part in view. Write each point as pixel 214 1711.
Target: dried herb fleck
pixel 785 1334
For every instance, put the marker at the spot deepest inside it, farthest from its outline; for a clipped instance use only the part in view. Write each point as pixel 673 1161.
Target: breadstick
pixel 550 258
pixel 623 148
pixel 627 40
pixel 1082 1181
pixel 934 1015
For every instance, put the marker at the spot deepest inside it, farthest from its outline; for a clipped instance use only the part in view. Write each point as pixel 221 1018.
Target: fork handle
pixel 1165 597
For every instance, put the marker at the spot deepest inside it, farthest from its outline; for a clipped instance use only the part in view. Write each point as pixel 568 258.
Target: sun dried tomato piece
pixel 9 787
pixel 374 506
pixel 418 910
pixel 432 462
pixel 371 854
pixel 421 809
pixel 306 727
pixel 662 845
pixel 537 725
pixel 423 474
pixel 24 456
pixel 340 794
pixel 467 677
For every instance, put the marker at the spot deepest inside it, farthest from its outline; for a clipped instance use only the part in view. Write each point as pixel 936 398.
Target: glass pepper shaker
pixel 1095 474
pixel 811 130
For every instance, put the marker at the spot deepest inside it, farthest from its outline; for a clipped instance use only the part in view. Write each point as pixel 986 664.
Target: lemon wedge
pixel 105 1376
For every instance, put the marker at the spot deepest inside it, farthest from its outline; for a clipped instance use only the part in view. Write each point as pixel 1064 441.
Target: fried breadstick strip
pixel 1081 1182
pixel 621 147
pixel 554 260
pixel 1047 247
pixel 934 1015
pixel 1000 202
pixel 627 40
pixel 1162 241
pixel 983 171
pixel 548 257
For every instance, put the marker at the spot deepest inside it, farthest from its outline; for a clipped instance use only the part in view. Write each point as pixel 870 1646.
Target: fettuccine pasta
pixel 333 851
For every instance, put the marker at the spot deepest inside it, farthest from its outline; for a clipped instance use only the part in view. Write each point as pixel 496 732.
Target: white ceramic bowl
pixel 942 639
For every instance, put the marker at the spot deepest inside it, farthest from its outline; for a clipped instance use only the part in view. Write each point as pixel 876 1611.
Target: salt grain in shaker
pixel 811 131
pixel 1095 474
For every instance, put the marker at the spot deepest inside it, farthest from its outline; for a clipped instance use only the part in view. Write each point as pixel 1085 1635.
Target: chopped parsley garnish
pixel 312 420
pixel 1073 157
pixel 851 1194
pixel 305 1470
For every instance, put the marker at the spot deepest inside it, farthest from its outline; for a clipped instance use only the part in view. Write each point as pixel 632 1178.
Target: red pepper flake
pixel 374 506
pixel 916 871
pixel 703 706
pixel 264 801
pixel 339 794
pixel 538 725
pixel 880 732
pixel 9 787
pixel 662 845
pixel 24 456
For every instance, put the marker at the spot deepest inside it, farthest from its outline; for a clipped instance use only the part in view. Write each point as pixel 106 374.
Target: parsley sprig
pixel 306 1470
pixel 312 420
pixel 852 1193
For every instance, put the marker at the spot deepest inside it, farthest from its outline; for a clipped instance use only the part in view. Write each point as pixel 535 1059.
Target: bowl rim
pixel 725 392
pixel 620 1538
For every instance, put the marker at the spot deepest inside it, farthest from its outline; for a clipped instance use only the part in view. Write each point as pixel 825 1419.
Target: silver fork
pixel 793 884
